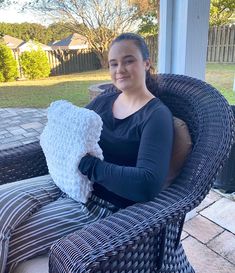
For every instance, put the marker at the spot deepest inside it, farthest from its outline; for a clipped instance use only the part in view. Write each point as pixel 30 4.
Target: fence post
pixel 221 44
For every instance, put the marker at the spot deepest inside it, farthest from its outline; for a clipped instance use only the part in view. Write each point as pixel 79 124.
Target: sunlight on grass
pixel 40 93
pixel 98 75
pixel 74 87
pixel 221 76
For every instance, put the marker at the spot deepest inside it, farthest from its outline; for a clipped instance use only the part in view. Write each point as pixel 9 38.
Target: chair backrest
pixel 211 125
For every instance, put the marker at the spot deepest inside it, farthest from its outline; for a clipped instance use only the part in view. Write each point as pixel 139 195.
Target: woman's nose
pixel 120 68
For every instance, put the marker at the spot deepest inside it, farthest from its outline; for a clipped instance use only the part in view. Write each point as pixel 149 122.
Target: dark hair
pixel 142 46
pixel 137 39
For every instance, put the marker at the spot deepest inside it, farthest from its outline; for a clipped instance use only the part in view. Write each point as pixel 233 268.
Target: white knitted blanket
pixel 70 133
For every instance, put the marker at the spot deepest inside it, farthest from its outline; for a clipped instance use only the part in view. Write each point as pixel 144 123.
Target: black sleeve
pixel 143 182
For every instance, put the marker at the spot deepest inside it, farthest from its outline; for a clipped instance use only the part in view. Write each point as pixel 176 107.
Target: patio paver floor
pixel 207 240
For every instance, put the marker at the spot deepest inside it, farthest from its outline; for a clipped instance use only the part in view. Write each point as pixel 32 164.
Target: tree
pixel 8 65
pixel 2 2
pixel 149 11
pixel 36 32
pixel 58 31
pixel 29 31
pixel 35 64
pixel 5 3
pixel 221 11
pixel 98 20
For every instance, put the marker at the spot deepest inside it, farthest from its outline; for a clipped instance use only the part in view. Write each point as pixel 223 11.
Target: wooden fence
pixel 67 61
pixel 221 44
pixel 152 43
pixel 220 48
pixel 70 61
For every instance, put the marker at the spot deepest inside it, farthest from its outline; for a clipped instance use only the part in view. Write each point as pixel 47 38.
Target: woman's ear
pixel 147 64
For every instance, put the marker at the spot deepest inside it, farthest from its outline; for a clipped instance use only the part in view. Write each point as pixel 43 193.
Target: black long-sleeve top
pixel 136 150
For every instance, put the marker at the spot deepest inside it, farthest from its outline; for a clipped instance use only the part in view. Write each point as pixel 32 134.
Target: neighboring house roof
pixel 12 42
pixel 52 43
pixel 73 41
pixel 31 45
pixel 15 43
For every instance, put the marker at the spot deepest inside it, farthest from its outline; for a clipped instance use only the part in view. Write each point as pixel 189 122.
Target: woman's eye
pixel 129 61
pixel 113 65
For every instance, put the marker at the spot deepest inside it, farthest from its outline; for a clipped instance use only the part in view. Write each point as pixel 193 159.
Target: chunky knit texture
pixel 70 133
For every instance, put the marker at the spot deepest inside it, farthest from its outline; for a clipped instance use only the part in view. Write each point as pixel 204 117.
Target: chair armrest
pixel 128 240
pixel 22 162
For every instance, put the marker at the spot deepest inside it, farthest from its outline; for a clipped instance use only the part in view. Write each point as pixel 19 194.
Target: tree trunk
pixel 103 58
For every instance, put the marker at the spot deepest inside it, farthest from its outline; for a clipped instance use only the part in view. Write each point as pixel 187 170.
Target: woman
pixel 136 141
pixel 137 133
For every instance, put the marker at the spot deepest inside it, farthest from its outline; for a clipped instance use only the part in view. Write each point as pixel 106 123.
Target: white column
pixel 183 37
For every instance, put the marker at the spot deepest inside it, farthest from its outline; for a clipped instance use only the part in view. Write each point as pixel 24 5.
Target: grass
pixel 221 76
pixel 74 87
pixel 40 93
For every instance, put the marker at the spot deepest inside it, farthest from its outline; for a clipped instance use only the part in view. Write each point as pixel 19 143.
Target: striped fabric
pixel 35 213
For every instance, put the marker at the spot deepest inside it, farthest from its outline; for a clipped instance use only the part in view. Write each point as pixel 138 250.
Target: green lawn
pixel 221 76
pixel 40 93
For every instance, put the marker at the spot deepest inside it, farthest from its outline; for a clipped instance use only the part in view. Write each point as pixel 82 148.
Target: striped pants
pixel 34 213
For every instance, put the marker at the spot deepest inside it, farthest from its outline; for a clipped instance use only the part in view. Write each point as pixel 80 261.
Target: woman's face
pixel 126 66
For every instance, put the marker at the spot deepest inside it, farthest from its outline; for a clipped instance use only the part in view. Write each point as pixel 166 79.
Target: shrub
pixel 1 77
pixel 35 64
pixel 8 65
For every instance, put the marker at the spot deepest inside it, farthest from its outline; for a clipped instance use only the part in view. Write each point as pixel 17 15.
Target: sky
pixel 13 14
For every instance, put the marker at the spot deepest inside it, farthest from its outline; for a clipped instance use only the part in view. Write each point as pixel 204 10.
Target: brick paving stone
pixel 8 115
pixel 30 134
pixel 202 229
pixel 30 130
pixel 28 110
pixel 224 244
pixel 2 132
pixel 14 122
pixel 29 140
pixel 204 260
pixel 8 135
pixel 33 125
pixel 30 117
pixel 39 116
pixel 222 213
pixel 10 145
pixel 184 235
pixel 15 118
pixel 13 128
pixel 5 122
pixel 3 126
pixel 12 139
pixel 39 130
pixel 190 215
pixel 18 132
pixel 209 199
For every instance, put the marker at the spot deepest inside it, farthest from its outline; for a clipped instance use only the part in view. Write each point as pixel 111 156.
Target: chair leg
pixel 176 262
pixel 172 258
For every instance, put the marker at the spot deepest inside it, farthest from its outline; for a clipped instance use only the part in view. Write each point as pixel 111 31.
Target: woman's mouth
pixel 121 79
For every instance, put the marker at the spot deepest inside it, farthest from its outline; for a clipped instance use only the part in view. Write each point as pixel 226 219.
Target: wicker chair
pixel 145 237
